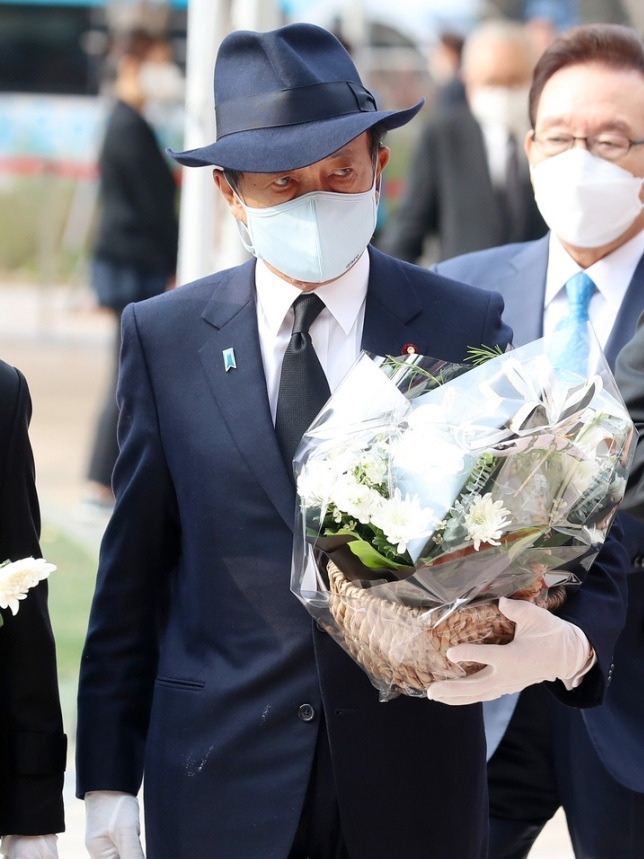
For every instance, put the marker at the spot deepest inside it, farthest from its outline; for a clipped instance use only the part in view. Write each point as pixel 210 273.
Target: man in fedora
pixel 258 736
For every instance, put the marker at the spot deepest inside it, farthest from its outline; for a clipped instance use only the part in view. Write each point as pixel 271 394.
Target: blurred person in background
pixel 586 153
pixel 32 744
pixel 445 70
pixel 468 187
pixel 135 250
pixel 542 32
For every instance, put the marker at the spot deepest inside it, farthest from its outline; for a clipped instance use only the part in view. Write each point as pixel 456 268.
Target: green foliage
pixel 71 587
pixel 480 354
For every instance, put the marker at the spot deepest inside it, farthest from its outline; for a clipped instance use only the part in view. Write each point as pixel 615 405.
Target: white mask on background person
pixel 313 238
pixel 162 82
pixel 585 200
pixel 504 106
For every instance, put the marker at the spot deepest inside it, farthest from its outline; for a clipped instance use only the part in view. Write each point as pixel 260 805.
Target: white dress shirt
pixel 336 333
pixel 611 275
pixel 497 143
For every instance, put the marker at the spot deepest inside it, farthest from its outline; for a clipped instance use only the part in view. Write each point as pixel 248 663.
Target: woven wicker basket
pixel 398 649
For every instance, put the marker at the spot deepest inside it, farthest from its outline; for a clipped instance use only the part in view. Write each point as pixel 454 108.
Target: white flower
pixel 356 499
pixel 315 483
pixel 583 474
pixel 374 464
pixel 403 519
pixel 485 520
pixel 17 577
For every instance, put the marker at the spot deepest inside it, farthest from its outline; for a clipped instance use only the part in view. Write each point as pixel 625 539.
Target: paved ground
pixel 63 345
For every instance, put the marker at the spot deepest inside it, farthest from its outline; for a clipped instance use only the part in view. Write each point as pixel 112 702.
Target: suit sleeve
pixel 598 608
pixel 33 743
pixel 138 557
pixel 629 375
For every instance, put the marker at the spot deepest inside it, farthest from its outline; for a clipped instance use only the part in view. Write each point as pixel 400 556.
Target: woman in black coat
pixel 32 742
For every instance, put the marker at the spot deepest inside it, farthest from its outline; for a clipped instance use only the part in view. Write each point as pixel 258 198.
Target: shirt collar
pixel 343 296
pixel 611 275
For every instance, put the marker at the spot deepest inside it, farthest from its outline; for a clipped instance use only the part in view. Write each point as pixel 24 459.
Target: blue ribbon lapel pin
pixel 230 362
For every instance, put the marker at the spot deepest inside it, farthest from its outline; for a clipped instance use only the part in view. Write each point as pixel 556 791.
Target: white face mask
pixel 585 200
pixel 313 238
pixel 504 106
pixel 162 82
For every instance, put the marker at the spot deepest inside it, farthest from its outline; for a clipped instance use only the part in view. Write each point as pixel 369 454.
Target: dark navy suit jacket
pixel 199 659
pixel 518 272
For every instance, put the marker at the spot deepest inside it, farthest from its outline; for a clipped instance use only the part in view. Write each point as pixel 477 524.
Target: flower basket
pixel 400 649
pixel 427 490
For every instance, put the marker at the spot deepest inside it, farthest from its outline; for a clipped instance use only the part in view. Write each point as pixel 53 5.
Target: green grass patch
pixel 71 587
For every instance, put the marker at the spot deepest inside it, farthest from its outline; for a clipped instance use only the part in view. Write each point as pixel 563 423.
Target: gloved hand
pixel 112 826
pixel 29 847
pixel 544 647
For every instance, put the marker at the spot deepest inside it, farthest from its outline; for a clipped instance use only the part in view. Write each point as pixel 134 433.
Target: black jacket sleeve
pixel 32 743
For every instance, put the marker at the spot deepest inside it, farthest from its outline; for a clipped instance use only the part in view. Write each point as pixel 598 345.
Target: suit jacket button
pixel 306 712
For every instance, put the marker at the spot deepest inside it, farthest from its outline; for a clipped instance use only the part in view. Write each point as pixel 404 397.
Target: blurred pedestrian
pixel 468 187
pixel 445 70
pixel 542 32
pixel 586 153
pixel 32 743
pixel 135 250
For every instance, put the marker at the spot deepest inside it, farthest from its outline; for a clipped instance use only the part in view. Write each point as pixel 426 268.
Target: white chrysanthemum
pixel 17 577
pixel 345 457
pixel 403 519
pixel 485 520
pixel 591 437
pixel 583 474
pixel 315 483
pixel 356 499
pixel 374 464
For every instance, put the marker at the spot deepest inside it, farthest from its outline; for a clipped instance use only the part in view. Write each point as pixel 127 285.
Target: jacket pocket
pixel 181 683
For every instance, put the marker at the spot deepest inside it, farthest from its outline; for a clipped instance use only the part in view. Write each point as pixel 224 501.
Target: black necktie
pixel 303 386
pixel 513 184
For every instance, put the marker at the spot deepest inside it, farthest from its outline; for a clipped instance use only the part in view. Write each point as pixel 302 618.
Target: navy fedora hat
pixel 285 99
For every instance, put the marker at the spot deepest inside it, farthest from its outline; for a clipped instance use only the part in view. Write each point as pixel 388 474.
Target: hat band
pixel 292 107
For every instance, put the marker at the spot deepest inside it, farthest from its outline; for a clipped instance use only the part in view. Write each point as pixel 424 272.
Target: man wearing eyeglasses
pixel 586 154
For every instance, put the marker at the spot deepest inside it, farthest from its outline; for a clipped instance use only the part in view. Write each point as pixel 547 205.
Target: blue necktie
pixel 579 289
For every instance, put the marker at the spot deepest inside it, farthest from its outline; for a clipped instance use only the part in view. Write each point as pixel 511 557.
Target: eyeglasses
pixel 612 147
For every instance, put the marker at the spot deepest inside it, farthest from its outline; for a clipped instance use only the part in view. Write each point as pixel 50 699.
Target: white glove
pixel 544 647
pixel 112 826
pixel 29 846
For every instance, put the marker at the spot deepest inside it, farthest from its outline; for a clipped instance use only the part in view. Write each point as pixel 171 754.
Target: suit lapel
pixel 392 303
pixel 241 392
pixel 523 285
pixel 629 311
